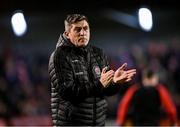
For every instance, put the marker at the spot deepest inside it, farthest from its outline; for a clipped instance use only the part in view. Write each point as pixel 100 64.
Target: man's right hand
pixel 106 77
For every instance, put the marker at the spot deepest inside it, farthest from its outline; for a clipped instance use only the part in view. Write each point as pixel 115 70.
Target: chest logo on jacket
pixel 97 71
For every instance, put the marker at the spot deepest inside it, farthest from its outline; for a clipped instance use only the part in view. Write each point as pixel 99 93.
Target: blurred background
pixel 30 29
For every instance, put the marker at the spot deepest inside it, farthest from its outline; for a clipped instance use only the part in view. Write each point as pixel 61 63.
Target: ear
pixel 66 34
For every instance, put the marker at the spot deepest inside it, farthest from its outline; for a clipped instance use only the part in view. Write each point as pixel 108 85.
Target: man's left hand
pixel 122 76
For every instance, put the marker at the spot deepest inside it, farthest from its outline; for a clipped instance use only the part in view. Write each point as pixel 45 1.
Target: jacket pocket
pixel 69 111
pixel 66 110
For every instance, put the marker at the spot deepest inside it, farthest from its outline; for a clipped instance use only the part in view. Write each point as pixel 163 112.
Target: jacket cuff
pixel 99 85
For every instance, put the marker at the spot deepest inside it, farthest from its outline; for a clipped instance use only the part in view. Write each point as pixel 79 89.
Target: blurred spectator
pixel 20 94
pixel 147 104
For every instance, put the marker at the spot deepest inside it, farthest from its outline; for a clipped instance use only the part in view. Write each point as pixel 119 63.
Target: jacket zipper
pixel 88 63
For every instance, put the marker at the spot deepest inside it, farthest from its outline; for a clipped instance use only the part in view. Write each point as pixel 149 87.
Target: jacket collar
pixel 63 41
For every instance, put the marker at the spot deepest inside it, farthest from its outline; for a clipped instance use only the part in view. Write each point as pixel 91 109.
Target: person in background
pixel 81 77
pixel 146 104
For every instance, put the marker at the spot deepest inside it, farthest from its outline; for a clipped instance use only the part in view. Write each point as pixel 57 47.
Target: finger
pixel 123 66
pixel 104 70
pixel 110 76
pixel 131 71
pixel 110 79
pixel 130 75
pixel 110 72
pixel 128 79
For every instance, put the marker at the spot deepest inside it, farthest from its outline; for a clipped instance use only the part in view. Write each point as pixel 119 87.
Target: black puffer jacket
pixel 77 96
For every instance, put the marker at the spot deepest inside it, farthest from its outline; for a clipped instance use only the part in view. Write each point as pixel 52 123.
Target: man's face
pixel 79 33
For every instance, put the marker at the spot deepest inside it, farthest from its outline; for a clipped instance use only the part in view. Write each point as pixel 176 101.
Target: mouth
pixel 82 39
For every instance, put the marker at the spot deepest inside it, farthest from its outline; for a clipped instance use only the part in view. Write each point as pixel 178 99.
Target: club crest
pixel 97 71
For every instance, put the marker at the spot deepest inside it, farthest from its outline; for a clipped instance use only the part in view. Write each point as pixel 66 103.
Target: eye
pixel 77 29
pixel 85 28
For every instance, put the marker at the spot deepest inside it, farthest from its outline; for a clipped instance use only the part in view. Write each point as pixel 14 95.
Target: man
pixel 147 104
pixel 81 77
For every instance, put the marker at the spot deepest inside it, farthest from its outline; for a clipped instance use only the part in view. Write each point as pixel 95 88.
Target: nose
pixel 82 32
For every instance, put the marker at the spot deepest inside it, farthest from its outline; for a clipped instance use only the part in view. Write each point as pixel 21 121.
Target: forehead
pixel 82 23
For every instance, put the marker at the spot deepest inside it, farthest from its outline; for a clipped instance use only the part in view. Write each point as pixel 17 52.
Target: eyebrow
pixel 81 27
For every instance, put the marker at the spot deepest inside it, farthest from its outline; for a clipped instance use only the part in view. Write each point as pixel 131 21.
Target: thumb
pixel 123 66
pixel 104 70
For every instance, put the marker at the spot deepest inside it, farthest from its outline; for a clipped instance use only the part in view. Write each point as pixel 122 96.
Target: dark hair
pixel 73 18
pixel 148 73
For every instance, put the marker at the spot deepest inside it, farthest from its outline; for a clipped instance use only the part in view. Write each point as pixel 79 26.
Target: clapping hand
pixel 122 76
pixel 106 77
